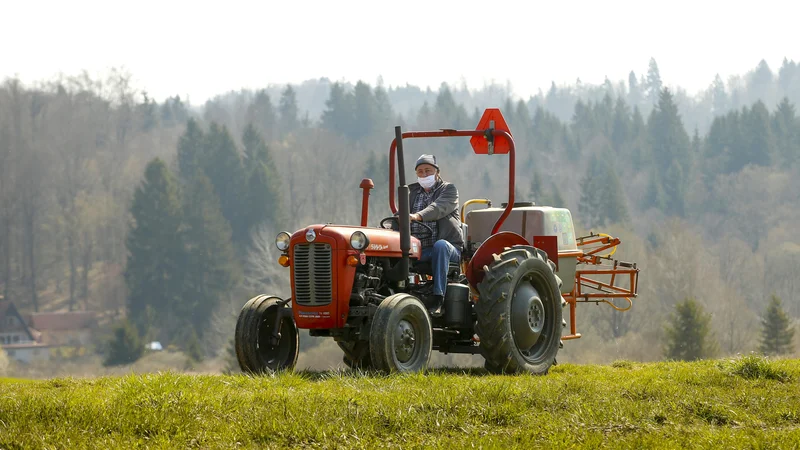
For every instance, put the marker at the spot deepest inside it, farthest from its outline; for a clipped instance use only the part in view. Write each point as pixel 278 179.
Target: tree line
pixel 99 181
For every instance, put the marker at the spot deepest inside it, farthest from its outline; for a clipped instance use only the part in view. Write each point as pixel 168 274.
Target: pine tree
pixel 653 83
pixel 621 128
pixel 719 97
pixel 125 347
pixel 602 199
pixel 786 130
pixel 261 114
pixel 224 169
pixel 383 110
pixel 689 335
pixel 669 143
pixel 339 115
pixel 210 268
pixel 634 90
pixel 777 331
pixel 191 150
pixel 289 115
pixel 757 145
pixel 614 207
pixel 365 110
pixel 590 193
pixel 263 200
pixel 156 255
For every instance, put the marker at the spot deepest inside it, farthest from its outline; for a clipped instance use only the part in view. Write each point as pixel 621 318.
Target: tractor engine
pixel 334 268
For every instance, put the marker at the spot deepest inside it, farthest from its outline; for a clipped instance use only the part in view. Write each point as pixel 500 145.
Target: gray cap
pixel 426 159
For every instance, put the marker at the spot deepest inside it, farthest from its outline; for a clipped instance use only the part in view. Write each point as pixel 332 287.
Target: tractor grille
pixel 313 282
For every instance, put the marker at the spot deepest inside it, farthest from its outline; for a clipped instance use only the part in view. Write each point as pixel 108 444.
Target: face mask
pixel 427 182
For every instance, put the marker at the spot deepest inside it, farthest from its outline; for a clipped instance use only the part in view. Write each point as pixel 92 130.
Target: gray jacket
pixel 443 209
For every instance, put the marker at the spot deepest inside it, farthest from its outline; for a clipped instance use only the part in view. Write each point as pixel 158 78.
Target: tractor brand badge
pixel 414 247
pixel 311 235
pixel 378 246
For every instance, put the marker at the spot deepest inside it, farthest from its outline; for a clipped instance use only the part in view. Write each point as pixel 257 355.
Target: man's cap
pixel 426 159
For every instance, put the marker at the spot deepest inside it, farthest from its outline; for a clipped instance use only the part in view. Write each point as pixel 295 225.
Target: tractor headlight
pixel 359 241
pixel 282 241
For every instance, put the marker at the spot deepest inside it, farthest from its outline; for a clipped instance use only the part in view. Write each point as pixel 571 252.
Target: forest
pixel 161 216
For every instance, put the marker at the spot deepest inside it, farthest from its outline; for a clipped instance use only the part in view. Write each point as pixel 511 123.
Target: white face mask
pixel 427 182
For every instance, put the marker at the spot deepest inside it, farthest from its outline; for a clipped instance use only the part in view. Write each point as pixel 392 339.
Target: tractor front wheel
pixel 519 312
pixel 256 348
pixel 401 337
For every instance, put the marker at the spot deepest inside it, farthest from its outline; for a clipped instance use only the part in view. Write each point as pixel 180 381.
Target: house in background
pixel 20 341
pixel 64 329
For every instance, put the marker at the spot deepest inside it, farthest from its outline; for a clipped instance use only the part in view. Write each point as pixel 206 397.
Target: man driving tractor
pixel 434 202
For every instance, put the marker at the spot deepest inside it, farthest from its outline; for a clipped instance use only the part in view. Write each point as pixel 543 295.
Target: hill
pixel 745 402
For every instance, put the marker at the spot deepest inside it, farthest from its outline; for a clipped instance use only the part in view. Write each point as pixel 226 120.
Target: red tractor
pixel 365 286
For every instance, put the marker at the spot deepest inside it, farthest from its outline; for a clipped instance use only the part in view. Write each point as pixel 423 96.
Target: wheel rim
pixel 273 355
pixel 405 342
pixel 530 320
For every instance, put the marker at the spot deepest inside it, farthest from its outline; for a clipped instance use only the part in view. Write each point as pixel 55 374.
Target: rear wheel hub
pixel 528 316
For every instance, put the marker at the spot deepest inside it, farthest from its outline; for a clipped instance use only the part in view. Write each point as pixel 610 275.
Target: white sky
pixel 179 47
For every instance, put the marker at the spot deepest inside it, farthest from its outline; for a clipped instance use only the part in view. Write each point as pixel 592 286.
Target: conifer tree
pixel 719 96
pixel 653 83
pixel 777 331
pixel 125 347
pixel 621 128
pixel 223 167
pixel 261 114
pixel 634 90
pixel 210 271
pixel 689 335
pixel 670 149
pixel 339 115
pixel 384 114
pixel 786 130
pixel 289 114
pixel 602 199
pixel 191 150
pixel 262 200
pixel 156 256
pixel 588 205
pixel 364 111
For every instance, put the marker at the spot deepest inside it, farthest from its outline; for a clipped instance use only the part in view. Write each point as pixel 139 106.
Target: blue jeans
pixel 440 255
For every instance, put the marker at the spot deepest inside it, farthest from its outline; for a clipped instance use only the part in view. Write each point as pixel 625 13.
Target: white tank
pixel 528 221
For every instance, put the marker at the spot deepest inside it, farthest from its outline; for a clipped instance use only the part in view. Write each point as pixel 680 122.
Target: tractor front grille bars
pixel 313 280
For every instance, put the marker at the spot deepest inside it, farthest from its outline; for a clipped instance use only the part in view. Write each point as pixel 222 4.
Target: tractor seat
pixel 424 268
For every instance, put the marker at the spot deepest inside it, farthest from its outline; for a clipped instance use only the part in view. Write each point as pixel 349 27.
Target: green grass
pixel 745 403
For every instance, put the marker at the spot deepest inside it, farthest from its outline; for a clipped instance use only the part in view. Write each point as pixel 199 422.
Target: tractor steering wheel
pixel 395 225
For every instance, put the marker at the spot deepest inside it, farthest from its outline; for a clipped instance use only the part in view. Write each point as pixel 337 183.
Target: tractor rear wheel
pixel 356 354
pixel 401 338
pixel 254 328
pixel 519 312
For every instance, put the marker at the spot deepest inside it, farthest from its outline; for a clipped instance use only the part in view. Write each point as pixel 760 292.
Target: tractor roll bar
pixel 456 133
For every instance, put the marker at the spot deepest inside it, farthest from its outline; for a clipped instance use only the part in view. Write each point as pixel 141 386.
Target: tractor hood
pixel 382 242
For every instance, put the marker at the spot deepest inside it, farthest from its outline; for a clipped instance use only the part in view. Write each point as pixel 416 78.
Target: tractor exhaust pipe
pixel 403 210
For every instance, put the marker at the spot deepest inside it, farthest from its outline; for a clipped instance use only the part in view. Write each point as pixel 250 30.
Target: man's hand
pixel 416 217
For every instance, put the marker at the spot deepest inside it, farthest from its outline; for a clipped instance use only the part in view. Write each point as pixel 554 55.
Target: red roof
pixel 61 321
pixel 25 345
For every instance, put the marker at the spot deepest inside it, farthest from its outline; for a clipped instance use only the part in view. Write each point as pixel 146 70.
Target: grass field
pixel 743 403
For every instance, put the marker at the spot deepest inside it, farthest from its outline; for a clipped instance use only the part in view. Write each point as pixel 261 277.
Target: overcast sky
pixel 178 47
